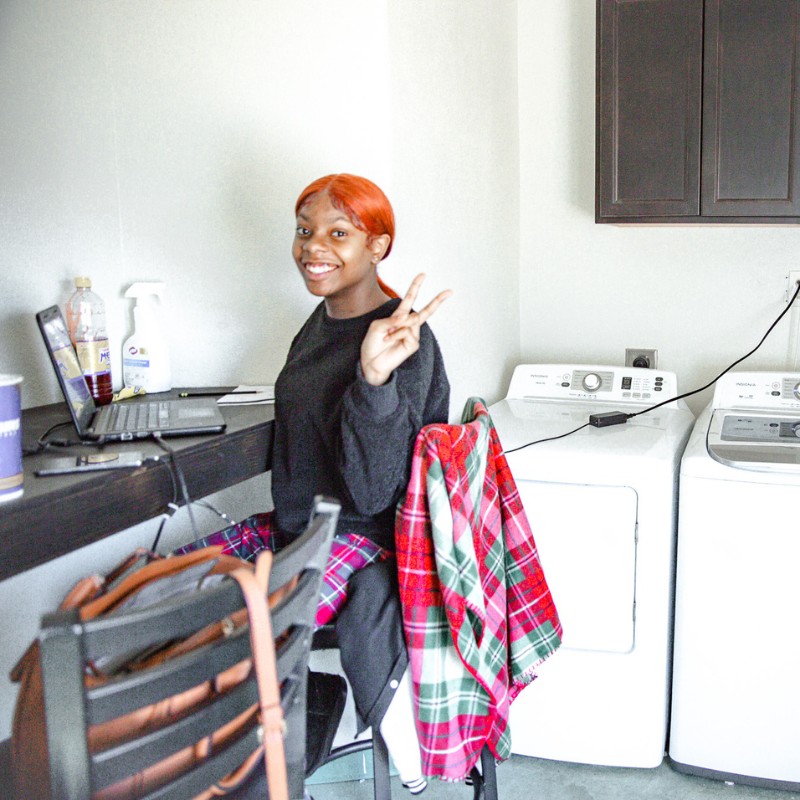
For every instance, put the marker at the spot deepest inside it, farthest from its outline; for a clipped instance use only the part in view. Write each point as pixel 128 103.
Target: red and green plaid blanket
pixel 477 610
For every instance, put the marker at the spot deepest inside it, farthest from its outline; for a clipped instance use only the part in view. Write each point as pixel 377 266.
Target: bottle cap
pixel 83 282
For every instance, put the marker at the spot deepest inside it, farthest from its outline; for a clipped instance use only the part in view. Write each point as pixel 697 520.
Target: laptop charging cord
pixel 179 480
pixel 44 442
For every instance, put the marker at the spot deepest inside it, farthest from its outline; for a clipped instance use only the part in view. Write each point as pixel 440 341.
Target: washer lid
pixel 757 441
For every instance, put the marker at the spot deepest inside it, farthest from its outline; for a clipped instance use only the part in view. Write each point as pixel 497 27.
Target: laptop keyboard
pixel 152 416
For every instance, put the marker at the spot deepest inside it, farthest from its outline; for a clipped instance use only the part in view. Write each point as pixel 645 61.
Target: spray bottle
pixel 145 355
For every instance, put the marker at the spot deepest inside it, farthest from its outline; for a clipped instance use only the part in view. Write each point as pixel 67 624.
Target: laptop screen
pixel 68 369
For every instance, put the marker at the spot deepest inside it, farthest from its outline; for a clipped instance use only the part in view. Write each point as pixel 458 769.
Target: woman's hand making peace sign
pixel 390 341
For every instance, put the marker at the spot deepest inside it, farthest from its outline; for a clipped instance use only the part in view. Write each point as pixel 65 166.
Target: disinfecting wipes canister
pixel 10 437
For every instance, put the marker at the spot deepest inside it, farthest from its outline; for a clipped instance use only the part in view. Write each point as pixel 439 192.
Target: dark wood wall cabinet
pixel 697 111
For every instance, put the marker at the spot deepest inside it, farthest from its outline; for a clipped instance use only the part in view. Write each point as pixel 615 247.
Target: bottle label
pixel 95 357
pixel 136 367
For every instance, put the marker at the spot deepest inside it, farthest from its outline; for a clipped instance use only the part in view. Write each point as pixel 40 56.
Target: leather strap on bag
pixel 254 588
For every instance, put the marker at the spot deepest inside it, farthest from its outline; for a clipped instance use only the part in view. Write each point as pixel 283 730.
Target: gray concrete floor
pixel 523 778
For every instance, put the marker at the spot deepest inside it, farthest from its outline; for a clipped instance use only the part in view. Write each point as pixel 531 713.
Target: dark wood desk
pixel 59 514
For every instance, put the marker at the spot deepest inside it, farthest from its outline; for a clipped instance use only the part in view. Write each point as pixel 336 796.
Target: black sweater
pixel 337 435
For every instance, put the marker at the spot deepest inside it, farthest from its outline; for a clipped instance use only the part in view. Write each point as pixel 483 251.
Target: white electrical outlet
pixel 792 279
pixel 641 357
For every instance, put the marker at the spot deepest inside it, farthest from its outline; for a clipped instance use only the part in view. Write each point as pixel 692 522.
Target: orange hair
pixel 366 206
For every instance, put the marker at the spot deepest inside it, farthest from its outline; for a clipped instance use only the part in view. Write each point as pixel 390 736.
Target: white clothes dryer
pixel 736 693
pixel 602 507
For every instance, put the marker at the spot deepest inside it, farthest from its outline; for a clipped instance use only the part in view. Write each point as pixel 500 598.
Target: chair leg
pixel 380 767
pixel 489 776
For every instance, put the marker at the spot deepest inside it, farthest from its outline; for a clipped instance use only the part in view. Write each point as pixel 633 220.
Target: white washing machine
pixel 736 691
pixel 602 507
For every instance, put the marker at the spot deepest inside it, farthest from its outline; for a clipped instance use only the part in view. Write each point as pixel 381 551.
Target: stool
pixel 484 785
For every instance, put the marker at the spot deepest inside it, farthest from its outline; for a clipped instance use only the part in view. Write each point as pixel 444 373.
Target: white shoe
pixel 417 786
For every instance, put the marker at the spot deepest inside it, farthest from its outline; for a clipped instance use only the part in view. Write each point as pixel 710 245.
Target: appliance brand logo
pixel 745 383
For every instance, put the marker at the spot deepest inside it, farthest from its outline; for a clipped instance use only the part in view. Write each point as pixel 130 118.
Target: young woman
pixel 362 377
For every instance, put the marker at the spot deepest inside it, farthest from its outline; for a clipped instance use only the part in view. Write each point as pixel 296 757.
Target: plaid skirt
pixel 349 552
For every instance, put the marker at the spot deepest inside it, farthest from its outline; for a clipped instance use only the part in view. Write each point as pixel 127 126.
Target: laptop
pixel 119 421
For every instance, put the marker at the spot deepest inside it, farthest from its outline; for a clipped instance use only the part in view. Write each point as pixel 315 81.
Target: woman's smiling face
pixel 336 259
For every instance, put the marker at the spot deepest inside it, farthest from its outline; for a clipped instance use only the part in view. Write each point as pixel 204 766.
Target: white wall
pixel 168 141
pixel 456 188
pixel 701 295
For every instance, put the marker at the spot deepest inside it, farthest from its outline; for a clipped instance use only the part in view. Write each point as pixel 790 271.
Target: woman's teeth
pixel 320 269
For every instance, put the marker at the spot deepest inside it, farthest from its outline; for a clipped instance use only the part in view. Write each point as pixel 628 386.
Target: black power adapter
pixel 607 418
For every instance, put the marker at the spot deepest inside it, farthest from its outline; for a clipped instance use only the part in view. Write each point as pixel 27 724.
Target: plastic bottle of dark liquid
pixel 86 319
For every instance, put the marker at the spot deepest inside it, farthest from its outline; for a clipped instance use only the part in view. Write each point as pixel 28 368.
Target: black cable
pixel 728 368
pixel 685 394
pixel 210 507
pixel 172 506
pixel 42 443
pixel 173 461
pixel 550 439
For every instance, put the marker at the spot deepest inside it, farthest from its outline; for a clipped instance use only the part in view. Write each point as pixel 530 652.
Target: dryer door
pixel 586 538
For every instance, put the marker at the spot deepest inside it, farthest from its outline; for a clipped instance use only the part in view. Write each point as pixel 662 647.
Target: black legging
pixel 371 642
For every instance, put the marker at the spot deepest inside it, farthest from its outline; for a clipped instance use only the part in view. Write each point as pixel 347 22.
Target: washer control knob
pixel 796 390
pixel 796 429
pixel 592 381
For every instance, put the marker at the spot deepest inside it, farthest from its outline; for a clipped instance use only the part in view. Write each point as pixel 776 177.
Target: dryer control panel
pixel 775 391
pixel 605 384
